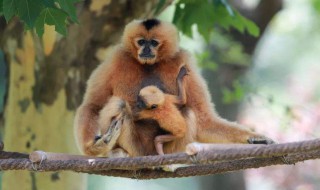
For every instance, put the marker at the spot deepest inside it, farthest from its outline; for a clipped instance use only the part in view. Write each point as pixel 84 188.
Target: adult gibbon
pixel 149 54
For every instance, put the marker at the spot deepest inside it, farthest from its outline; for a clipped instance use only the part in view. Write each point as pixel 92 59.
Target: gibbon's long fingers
pixel 194 148
pixel 260 140
pixel 113 131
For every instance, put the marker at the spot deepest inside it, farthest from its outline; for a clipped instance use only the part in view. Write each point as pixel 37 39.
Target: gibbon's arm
pixel 99 87
pixel 144 114
pixel 97 93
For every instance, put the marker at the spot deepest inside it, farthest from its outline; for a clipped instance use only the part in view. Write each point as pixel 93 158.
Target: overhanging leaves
pixel 69 8
pixel 9 9
pixel 234 95
pixel 316 5
pixel 1 7
pixel 36 13
pixel 29 10
pixel 206 14
pixel 52 16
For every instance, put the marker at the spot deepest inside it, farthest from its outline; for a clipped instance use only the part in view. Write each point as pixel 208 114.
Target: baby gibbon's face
pixel 151 97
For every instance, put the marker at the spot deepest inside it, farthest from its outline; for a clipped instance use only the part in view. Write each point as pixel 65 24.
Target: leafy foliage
pixel 54 17
pixel 204 61
pixel 1 7
pixel 227 50
pixel 316 5
pixel 207 13
pixel 202 13
pixel 37 13
pixel 235 94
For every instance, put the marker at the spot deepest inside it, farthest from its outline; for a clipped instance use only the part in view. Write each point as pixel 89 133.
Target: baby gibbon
pixel 156 105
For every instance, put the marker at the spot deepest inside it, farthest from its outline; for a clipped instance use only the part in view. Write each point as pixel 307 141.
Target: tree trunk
pixel 229 72
pixel 47 81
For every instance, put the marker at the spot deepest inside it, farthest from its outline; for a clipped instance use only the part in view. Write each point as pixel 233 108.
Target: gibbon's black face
pixel 150 41
pixel 147 50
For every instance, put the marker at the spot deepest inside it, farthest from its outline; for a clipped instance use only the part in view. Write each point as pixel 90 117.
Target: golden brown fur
pixel 163 109
pixel 124 74
pixel 122 138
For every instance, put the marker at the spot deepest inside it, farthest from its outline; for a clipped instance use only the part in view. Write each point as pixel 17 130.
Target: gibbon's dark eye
pixel 153 106
pixel 154 43
pixel 141 42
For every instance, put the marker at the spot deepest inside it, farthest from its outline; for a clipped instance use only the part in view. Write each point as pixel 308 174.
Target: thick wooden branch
pixel 219 159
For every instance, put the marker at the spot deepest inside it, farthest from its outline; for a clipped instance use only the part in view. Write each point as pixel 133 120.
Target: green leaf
pixel 205 14
pixel 9 9
pixel 204 61
pixel 228 7
pixel 190 13
pixel 52 16
pixel 237 21
pixel 190 1
pixel 234 95
pixel 316 5
pixel 69 7
pixel 250 26
pixel 29 10
pixel 1 7
pixel 49 3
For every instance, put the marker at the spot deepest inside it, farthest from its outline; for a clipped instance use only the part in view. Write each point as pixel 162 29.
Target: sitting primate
pixel 154 104
pixel 150 55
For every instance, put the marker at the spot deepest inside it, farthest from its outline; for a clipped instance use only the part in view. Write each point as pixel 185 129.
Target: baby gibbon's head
pixel 151 40
pixel 151 97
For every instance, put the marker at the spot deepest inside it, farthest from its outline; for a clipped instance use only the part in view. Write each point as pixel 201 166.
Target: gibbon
pixel 149 54
pixel 154 104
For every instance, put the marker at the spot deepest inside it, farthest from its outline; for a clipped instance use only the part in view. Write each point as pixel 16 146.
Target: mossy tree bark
pixel 47 81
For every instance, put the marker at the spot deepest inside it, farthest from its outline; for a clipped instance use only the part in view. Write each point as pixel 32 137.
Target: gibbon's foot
pixel 194 148
pixel 260 140
pixel 113 131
